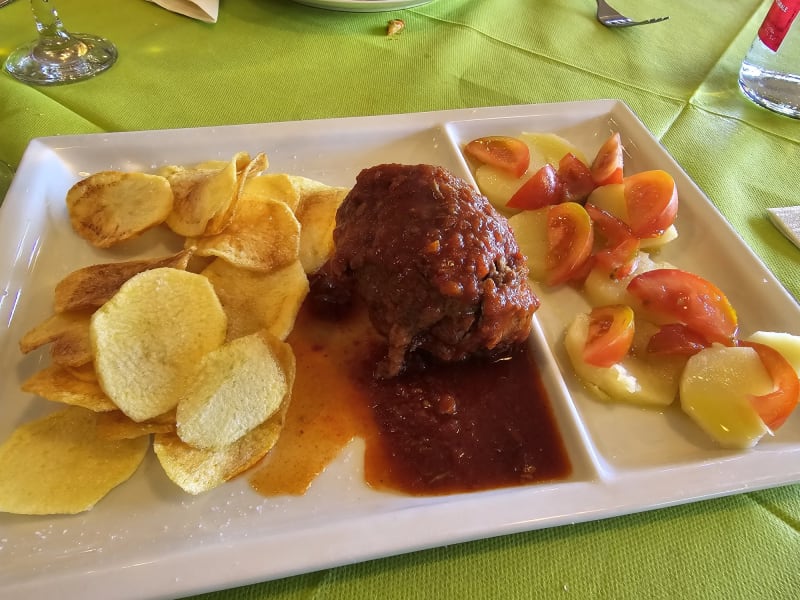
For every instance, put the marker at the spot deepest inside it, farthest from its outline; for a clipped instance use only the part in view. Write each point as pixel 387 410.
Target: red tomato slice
pixel 689 299
pixel 610 336
pixel 607 165
pixel 569 241
pixel 614 230
pixel 542 189
pixel 651 198
pixel 675 339
pixel 504 152
pixel 576 179
pixel 774 408
pixel 618 261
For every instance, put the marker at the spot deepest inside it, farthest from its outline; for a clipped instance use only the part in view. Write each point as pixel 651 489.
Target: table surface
pixel 276 60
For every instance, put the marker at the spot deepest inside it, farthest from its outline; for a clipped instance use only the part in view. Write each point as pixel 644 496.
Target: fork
pixel 611 18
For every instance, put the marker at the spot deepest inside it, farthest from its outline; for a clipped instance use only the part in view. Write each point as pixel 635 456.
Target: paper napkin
pixel 204 10
pixel 788 221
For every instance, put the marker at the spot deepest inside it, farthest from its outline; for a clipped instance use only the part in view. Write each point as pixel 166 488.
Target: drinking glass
pixel 58 56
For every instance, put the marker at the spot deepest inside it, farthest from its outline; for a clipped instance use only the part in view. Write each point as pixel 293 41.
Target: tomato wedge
pixel 504 152
pixel 607 164
pixel 570 237
pixel 619 260
pixel 576 179
pixel 651 198
pixel 774 408
pixel 612 229
pixel 542 189
pixel 687 298
pixel 675 339
pixel 610 335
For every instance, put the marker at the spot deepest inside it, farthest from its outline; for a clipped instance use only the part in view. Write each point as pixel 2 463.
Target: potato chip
pixel 317 216
pixel 115 425
pixel 92 286
pixel 262 236
pixel 149 337
pixel 206 195
pixel 57 465
pixel 196 470
pixel 238 386
pixel 290 189
pixel 110 206
pixel 245 170
pixel 58 384
pixel 69 335
pixel 254 301
pixel 200 194
pixel 82 372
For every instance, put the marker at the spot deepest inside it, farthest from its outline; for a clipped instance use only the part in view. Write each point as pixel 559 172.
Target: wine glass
pixel 58 56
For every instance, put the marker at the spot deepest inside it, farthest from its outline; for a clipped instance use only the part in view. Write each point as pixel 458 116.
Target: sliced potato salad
pixel 655 333
pixel 187 350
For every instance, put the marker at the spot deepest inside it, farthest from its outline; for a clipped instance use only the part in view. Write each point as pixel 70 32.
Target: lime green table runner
pixel 275 60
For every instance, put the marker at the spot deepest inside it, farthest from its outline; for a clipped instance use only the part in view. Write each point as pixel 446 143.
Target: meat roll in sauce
pixel 435 263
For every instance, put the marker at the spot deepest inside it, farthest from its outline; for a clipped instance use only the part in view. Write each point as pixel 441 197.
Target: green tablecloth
pixel 275 60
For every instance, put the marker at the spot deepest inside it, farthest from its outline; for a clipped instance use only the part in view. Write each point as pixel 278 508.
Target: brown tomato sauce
pixel 436 429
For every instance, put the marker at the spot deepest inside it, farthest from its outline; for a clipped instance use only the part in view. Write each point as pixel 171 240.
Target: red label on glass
pixel 777 22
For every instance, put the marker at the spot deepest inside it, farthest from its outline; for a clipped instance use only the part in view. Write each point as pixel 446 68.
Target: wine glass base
pixel 79 56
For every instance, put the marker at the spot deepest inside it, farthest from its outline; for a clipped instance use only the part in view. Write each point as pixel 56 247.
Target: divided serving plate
pixel 149 539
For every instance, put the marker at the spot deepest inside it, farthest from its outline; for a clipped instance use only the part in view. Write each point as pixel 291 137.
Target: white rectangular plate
pixel 148 539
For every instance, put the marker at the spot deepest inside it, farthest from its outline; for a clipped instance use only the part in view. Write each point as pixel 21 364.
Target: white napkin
pixel 788 221
pixel 205 10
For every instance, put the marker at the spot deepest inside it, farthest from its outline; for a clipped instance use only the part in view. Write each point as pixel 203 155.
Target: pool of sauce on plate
pixel 436 429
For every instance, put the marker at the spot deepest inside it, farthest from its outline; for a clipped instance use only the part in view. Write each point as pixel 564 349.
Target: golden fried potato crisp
pixel 68 334
pixel 115 425
pixel 289 189
pixel 206 195
pixel 111 206
pixel 197 470
pixel 60 384
pixel 317 216
pixel 254 301
pixel 92 286
pixel 149 338
pixel 262 236
pixel 57 465
pixel 238 386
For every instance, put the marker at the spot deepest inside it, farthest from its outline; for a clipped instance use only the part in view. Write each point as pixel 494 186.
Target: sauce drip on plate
pixel 435 429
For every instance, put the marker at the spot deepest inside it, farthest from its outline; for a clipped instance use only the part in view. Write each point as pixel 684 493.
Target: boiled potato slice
pixel 238 386
pixel 637 379
pixel 785 343
pixel 611 199
pixel 600 289
pixel 530 227
pixel 110 206
pixel 545 148
pixel 715 389
pixel 58 465
pixel 149 338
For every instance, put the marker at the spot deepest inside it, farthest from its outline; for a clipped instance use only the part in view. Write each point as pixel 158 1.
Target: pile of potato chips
pixel 189 349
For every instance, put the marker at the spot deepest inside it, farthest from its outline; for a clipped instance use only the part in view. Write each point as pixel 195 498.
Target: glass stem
pixel 48 24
